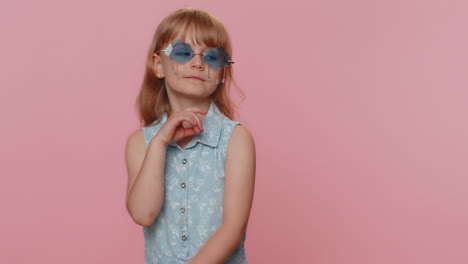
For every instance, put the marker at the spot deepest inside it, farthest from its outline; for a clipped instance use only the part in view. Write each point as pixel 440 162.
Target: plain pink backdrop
pixel 358 110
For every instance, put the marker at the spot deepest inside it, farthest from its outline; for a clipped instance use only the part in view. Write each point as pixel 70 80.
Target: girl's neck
pixel 180 105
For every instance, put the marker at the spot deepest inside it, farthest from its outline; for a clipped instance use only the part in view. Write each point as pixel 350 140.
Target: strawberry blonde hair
pixel 152 99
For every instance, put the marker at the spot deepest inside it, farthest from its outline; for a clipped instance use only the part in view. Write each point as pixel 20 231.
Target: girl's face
pixel 191 77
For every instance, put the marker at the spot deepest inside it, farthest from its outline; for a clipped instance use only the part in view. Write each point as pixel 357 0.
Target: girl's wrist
pixel 158 141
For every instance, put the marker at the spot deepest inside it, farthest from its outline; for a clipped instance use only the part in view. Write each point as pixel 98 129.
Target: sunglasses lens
pixel 181 52
pixel 214 58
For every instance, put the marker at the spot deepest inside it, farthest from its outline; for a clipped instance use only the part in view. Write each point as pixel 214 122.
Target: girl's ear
pixel 157 66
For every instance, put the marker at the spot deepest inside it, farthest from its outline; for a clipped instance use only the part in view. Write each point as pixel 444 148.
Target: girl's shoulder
pixel 236 129
pixel 151 130
pixel 227 126
pixel 234 133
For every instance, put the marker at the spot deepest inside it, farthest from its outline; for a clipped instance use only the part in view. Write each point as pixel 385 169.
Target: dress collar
pixel 211 124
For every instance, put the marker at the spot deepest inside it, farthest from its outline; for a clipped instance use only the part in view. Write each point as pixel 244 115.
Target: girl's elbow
pixel 143 217
pixel 145 221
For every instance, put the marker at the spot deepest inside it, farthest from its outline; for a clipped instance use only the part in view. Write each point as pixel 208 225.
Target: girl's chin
pixel 193 92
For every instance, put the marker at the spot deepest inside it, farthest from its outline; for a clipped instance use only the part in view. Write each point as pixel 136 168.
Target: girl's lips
pixel 194 77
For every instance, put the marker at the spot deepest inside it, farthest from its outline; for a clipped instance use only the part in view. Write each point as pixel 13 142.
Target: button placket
pixel 183 185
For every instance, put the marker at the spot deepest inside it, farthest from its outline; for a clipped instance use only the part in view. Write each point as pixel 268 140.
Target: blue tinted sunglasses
pixel 181 52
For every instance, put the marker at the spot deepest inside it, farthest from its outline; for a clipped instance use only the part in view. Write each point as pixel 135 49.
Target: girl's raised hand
pixel 181 125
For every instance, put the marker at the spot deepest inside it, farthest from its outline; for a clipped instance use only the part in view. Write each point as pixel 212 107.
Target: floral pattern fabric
pixel 193 193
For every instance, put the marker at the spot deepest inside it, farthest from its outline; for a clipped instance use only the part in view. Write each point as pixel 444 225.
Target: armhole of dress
pixel 144 129
pixel 225 146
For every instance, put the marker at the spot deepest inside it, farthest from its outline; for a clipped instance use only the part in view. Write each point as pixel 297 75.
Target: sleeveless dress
pixel 193 193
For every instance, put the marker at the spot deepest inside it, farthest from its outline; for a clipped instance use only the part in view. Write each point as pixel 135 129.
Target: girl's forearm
pixel 219 246
pixel 147 193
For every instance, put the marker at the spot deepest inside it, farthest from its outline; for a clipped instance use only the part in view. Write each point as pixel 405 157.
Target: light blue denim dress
pixel 193 193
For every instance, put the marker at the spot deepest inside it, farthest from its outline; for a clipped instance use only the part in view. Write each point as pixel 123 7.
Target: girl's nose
pixel 197 61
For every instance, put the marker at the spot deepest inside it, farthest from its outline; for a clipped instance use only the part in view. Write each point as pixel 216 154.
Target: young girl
pixel 191 168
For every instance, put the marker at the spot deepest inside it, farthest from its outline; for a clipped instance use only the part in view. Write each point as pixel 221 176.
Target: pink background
pixel 358 109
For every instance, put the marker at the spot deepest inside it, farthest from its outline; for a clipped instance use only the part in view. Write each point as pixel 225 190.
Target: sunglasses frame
pixel 227 62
